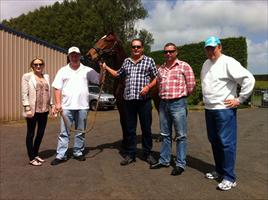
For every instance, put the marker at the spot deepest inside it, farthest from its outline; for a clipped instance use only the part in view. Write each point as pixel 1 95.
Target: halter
pixel 101 52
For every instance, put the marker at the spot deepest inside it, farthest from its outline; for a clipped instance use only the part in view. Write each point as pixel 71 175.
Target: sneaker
pixel 127 160
pixel 79 158
pixel 57 161
pixel 212 175
pixel 149 159
pixel 177 171
pixel 226 185
pixel 158 166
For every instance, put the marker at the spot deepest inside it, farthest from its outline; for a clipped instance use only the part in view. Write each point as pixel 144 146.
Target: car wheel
pixel 111 108
pixel 93 105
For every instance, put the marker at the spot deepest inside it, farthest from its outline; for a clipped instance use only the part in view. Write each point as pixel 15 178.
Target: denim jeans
pixel 222 134
pixel 79 118
pixel 173 112
pixel 143 109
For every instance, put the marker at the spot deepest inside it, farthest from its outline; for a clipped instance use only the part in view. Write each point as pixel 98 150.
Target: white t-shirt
pixel 219 82
pixel 74 86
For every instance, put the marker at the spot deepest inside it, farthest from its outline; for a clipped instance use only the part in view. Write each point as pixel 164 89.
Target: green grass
pixel 261 84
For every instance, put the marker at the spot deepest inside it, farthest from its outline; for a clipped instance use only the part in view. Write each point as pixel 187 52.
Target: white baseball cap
pixel 73 49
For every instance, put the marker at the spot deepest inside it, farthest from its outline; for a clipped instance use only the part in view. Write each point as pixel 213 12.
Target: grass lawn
pixel 261 84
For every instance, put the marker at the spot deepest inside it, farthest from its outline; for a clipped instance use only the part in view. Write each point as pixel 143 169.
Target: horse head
pixel 108 44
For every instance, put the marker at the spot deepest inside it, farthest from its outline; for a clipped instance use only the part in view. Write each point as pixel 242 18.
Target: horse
pixel 109 45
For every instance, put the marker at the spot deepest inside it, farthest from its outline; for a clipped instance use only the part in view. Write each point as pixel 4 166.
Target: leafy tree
pixel 82 22
pixel 194 54
pixel 148 40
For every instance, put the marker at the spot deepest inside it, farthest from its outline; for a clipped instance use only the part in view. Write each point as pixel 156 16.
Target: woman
pixel 36 100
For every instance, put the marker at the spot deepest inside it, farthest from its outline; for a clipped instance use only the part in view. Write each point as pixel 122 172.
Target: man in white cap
pixel 71 99
pixel 220 75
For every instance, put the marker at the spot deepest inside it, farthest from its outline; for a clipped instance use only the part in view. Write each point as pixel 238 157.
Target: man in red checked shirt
pixel 175 81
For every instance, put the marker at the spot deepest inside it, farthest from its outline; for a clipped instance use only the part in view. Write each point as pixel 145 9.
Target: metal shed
pixel 17 49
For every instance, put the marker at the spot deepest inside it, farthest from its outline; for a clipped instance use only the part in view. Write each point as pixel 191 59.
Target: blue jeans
pixel 173 112
pixel 143 109
pixel 79 118
pixel 222 134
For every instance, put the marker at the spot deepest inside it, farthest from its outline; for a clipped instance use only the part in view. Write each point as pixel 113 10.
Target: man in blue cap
pixel 220 75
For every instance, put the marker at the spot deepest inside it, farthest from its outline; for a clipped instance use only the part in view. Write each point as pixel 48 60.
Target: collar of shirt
pixel 176 62
pixel 135 62
pixel 78 69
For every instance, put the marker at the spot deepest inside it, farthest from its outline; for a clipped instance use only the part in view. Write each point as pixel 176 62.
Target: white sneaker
pixel 226 185
pixel 212 175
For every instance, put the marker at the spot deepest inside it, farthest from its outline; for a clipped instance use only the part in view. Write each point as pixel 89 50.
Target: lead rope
pixel 65 120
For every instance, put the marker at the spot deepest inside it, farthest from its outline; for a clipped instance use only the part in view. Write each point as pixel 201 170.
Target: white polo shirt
pixel 74 86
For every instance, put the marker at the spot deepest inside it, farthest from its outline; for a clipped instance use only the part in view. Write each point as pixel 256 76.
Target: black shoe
pixel 127 160
pixel 177 171
pixel 159 138
pixel 150 159
pixel 57 161
pixel 79 158
pixel 158 166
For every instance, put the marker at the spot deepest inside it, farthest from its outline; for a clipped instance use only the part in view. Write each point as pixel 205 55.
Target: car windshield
pixel 95 90
pixel 265 94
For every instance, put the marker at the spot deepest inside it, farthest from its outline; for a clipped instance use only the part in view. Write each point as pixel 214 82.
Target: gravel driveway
pixel 102 177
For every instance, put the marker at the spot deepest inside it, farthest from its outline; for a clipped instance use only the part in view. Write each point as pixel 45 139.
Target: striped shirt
pixel 137 76
pixel 176 81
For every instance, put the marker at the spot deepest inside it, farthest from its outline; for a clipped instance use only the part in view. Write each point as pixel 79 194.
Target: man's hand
pixel 58 108
pixel 145 90
pixel 102 65
pixel 231 103
pixel 102 72
pixel 53 111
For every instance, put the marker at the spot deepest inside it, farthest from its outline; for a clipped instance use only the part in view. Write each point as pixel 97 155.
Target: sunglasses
pixel 169 51
pixel 135 47
pixel 38 64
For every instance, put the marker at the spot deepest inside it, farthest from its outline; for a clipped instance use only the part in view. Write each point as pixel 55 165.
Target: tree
pixel 81 22
pixel 148 40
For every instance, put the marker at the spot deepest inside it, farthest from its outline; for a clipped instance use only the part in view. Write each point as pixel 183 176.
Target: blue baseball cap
pixel 212 42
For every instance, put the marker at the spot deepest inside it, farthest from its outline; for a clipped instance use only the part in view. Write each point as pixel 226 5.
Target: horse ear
pixel 110 33
pixel 111 36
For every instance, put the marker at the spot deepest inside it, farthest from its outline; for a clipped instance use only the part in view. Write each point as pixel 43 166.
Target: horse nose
pixel 91 55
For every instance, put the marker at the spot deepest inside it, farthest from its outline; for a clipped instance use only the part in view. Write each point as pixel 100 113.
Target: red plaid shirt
pixel 176 81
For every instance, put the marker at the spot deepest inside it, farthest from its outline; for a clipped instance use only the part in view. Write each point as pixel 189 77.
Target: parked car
pixel 264 99
pixel 107 101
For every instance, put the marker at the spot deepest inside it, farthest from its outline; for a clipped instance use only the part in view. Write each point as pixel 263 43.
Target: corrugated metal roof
pixel 31 38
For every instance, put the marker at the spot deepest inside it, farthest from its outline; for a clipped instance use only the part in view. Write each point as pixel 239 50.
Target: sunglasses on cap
pixel 169 51
pixel 135 47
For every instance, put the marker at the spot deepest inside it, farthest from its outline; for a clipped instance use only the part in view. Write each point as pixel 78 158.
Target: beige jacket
pixel 28 90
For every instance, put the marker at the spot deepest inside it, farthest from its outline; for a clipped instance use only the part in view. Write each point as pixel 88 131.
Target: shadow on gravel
pixel 192 162
pixel 199 165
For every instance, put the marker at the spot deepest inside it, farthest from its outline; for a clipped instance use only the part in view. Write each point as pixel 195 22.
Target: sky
pixel 187 21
